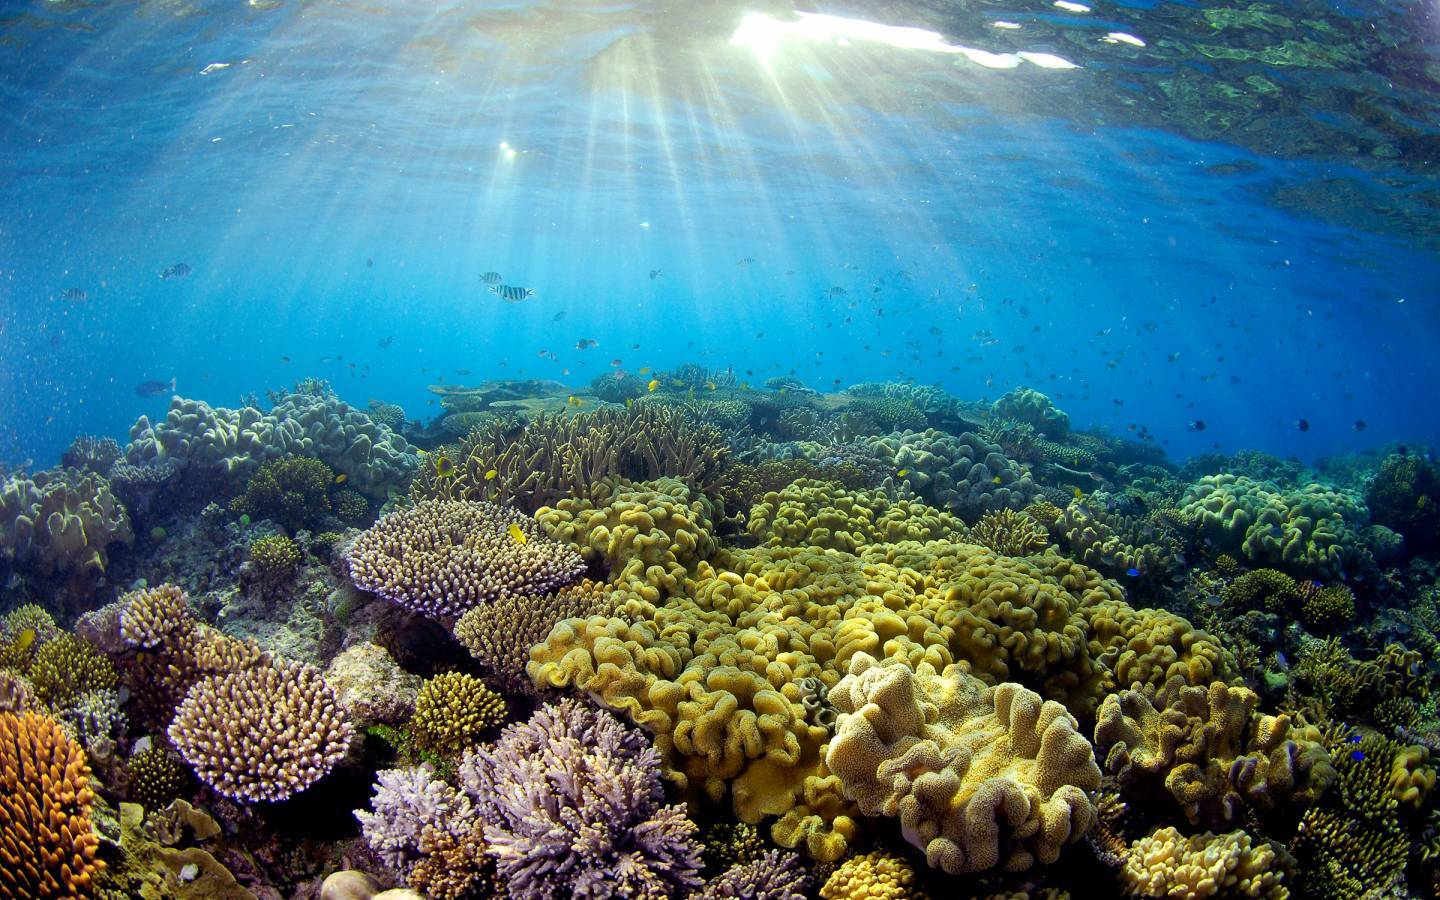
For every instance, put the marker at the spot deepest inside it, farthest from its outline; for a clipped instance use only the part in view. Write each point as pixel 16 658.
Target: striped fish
pixel 510 293
pixel 74 295
pixel 492 278
pixel 179 270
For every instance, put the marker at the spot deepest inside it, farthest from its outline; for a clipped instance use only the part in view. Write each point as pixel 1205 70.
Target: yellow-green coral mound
pixel 1168 864
pixel 1210 750
pixel 823 514
pixel 453 711
pixel 980 777
pixel 872 876
pixel 649 535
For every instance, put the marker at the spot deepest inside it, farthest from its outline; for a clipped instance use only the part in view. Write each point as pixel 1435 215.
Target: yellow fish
pixel 654 383
pixel 902 473
pixel 629 402
pixel 23 642
pixel 997 479
pixel 444 467
pixel 644 370
pixel 710 386
pixel 340 479
pixel 573 400
pixel 490 475
pixel 517 534
pixel 1077 492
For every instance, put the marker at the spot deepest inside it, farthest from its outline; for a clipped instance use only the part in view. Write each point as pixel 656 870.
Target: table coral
pixel 649 535
pixel 980 777
pixel 1210 749
pixel 1168 864
pixel 61 521
pixel 441 558
pixel 47 845
pixel 966 475
pixel 821 514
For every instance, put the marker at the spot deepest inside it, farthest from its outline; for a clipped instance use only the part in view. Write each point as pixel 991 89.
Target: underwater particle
pixel 263 733
pixel 46 839
pixel 452 711
pixel 156 777
pixel 275 555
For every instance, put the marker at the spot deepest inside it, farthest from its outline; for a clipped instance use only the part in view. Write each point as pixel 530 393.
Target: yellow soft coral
pixel 1167 864
pixel 824 514
pixel 979 777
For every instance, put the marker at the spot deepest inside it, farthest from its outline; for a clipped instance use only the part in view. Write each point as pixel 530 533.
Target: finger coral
pixel 1168 864
pixel 263 733
pixel 572 806
pixel 441 558
pixel 47 845
pixel 979 777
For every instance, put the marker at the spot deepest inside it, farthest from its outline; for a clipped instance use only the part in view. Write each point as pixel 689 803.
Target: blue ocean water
pixel 1174 213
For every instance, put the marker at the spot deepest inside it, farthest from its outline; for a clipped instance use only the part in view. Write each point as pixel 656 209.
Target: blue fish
pixel 1354 738
pixel 1357 755
pixel 1133 572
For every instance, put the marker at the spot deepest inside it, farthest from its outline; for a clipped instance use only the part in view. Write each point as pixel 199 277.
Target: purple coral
pixel 406 803
pixel 774 875
pixel 571 802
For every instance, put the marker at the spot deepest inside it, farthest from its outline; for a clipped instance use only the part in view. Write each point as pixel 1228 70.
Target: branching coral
pixel 572 805
pixel 1405 495
pixel 1168 864
pixel 441 558
pixel 408 804
pixel 649 536
pixel 156 777
pixel 263 733
pixel 1208 747
pixel 47 845
pixel 452 711
pixel 775 875
pixel 500 634
pixel 554 457
pixel 1010 533
pixel 275 555
pixel 979 777
pixel 294 492
pixel 67 667
pixel 821 514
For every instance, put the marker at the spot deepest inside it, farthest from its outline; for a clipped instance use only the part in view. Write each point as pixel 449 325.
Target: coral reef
pixel 61 521
pixel 442 557
pixel 1034 409
pixel 966 475
pixel 822 514
pixel 1405 496
pixel 293 491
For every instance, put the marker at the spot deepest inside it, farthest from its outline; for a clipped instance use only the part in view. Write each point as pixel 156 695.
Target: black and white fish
pixel 154 388
pixel 74 295
pixel 179 270
pixel 492 278
pixel 510 293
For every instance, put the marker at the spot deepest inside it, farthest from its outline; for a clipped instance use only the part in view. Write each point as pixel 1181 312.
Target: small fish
pixel 518 534
pixel 710 386
pixel 1077 493
pixel 617 363
pixel 1133 572
pixel 341 478
pixel 444 467
pixel 1355 738
pixel 154 388
pixel 1359 425
pixel 285 359
pixel 997 480
pixel 653 385
pixel 644 370
pixel 902 473
pixel 179 270
pixel 655 273
pixel 573 400
pixel 492 278
pixel 369 263
pixel 490 475
pixel 74 295
pixel 510 293
pixel 747 261
pixel 1357 755
pixel 558 316
pixel 385 341
pixel 1303 425
pixel 1197 425
pixel 24 640
pixel 586 344
pixel 836 291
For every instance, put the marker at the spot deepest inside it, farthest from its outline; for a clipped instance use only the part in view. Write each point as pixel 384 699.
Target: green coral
pixel 294 492
pixel 1405 496
pixel 70 666
pixel 1266 589
pixel 452 712
pixel 351 507
pixel 156 777
pixel 275 555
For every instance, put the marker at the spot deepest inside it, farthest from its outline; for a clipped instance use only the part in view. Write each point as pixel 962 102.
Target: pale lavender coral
pixel 776 875
pixel 408 801
pixel 571 802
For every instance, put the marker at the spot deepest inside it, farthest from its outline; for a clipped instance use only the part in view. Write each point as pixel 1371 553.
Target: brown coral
pixel 47 844
pixel 452 711
pixel 262 733
pixel 441 557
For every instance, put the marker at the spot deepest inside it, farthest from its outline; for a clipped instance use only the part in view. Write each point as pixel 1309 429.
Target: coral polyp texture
pixel 263 733
pixel 980 777
pixel 48 847
pixel 444 557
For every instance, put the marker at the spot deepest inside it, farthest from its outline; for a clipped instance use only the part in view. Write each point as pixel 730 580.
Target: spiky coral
pixel 452 711
pixel 275 555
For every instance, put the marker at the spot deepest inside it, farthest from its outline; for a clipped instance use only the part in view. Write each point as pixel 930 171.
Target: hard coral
pixel 441 558
pixel 47 845
pixel 979 777
pixel 263 733
pixel 452 711
pixel 1034 409
pixel 67 667
pixel 571 802
pixel 275 555
pixel 1168 864
pixel 500 634
pixel 966 475
pixel 1010 533
pixel 874 876
pixel 821 514
pixel 294 492
pixel 1405 495
pixel 408 804
pixel 61 521
pixel 156 777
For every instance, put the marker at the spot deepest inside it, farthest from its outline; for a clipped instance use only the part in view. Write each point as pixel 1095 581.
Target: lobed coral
pixel 821 514
pixel 262 733
pixel 979 777
pixel 47 845
pixel 1034 409
pixel 61 522
pixel 441 558
pixel 965 475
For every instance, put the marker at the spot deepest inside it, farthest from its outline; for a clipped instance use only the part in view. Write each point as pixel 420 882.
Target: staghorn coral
pixel 93 717
pixel 558 456
pixel 1168 864
pixel 441 558
pixel 1210 750
pixel 821 514
pixel 275 555
pixel 649 536
pixel 262 733
pixel 874 876
pixel 149 617
pixel 454 868
pixel 408 805
pixel 156 777
pixel 774 875
pixel 67 667
pixel 47 845
pixel 965 475
pixel 979 777
pixel 571 801
pixel 1034 409
pixel 293 491
pixel 452 711
pixel 61 522
pixel 1010 533
pixel 500 634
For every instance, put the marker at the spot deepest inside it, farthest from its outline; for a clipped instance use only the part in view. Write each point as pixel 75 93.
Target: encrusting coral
pixel 979 777
pixel 441 557
pixel 47 845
